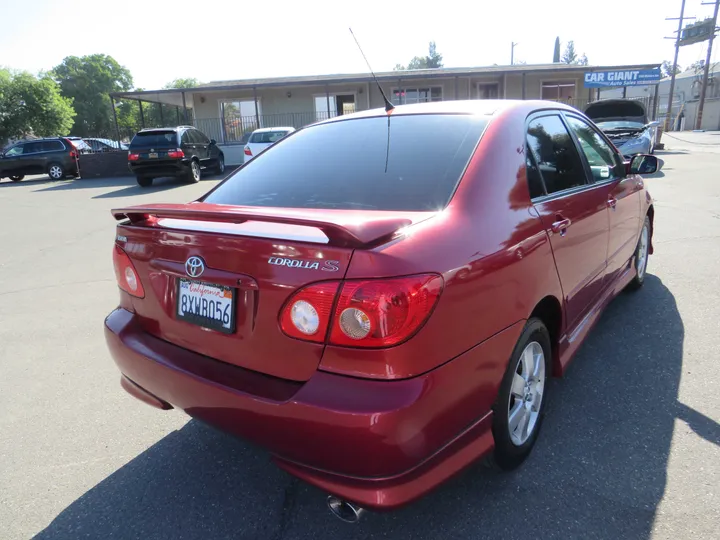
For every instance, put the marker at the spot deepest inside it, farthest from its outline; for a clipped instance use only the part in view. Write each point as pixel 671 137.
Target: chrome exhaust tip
pixel 344 510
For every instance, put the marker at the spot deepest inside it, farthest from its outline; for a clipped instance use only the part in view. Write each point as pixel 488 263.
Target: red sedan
pixel 379 299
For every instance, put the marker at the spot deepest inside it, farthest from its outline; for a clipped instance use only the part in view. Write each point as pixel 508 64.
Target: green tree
pixel 432 60
pixel 583 61
pixel 666 68
pixel 556 52
pixel 32 105
pixel 569 56
pixel 89 80
pixel 183 83
pixel 696 66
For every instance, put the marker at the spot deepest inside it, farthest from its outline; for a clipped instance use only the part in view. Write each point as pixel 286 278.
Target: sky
pixel 214 40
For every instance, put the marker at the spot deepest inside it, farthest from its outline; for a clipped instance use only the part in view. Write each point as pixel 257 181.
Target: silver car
pixel 625 122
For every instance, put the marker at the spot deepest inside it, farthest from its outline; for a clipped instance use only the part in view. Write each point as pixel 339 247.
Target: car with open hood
pixel 380 299
pixel 626 124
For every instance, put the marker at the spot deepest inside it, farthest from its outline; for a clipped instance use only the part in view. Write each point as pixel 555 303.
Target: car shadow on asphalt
pixel 598 470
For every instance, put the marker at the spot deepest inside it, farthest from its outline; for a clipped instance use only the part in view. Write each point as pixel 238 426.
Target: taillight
pixel 307 314
pixel 73 154
pixel 247 151
pixel 369 313
pixel 127 277
pixel 133 157
pixel 177 153
pixel 383 312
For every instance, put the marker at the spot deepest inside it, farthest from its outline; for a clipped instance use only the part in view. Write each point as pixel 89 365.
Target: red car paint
pixel 377 426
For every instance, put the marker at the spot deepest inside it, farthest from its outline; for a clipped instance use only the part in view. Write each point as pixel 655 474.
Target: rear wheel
pixel 640 259
pixel 518 411
pixel 193 175
pixel 17 178
pixel 144 181
pixel 56 171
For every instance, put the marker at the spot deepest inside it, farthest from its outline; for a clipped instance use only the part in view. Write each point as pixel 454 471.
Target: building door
pixel 345 104
pixel 488 91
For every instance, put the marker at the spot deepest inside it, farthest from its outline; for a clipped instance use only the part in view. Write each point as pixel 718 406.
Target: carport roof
pixel 173 96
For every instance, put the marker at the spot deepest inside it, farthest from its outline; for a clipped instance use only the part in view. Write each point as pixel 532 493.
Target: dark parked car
pixel 55 156
pixel 379 312
pixel 182 152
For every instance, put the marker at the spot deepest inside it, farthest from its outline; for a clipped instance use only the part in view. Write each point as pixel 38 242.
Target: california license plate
pixel 153 155
pixel 207 305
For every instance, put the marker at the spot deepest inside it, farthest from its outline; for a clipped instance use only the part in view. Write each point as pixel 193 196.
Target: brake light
pixel 127 277
pixel 383 313
pixel 369 313
pixel 73 154
pixel 307 314
pixel 177 153
pixel 247 151
pixel 133 157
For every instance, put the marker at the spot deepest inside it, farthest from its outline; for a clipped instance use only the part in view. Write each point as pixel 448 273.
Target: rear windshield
pixel 154 138
pixel 267 137
pixel 414 165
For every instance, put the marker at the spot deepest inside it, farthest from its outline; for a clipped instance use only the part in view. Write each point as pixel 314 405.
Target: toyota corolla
pixel 380 299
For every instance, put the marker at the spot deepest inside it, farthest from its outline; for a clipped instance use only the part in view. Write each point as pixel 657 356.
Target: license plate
pixel 207 305
pixel 153 155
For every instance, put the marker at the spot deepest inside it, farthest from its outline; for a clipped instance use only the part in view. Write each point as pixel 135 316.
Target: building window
pixel 402 96
pixel 558 90
pixel 339 104
pixel 488 91
pixel 238 117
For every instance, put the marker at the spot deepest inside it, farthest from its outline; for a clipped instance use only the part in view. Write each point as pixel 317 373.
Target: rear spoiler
pixel 346 228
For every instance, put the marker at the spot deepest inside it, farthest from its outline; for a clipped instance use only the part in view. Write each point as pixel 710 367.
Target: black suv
pixel 181 151
pixel 56 156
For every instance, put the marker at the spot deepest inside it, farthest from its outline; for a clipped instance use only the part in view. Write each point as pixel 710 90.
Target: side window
pixel 555 153
pixel 535 183
pixel 200 136
pixel 15 150
pixel 604 162
pixel 33 147
pixel 186 138
pixel 52 146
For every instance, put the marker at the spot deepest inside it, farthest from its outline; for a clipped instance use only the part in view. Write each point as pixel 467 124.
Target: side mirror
pixel 213 141
pixel 644 164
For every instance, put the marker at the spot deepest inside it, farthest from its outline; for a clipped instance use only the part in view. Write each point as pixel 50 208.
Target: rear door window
pixel 33 147
pixel 161 139
pixel 53 146
pixel 267 137
pixel 403 163
pixel 555 154
pixel 200 136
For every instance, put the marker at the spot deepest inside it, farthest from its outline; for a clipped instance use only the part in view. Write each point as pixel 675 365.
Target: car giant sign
pixel 625 77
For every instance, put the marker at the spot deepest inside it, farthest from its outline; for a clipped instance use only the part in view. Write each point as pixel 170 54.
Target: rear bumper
pixel 159 168
pixel 379 444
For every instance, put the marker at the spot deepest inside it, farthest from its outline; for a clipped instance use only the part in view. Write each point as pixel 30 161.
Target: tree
pixel 666 68
pixel 696 66
pixel 89 80
pixel 583 60
pixel 32 105
pixel 183 83
pixel 431 61
pixel 556 52
pixel 569 56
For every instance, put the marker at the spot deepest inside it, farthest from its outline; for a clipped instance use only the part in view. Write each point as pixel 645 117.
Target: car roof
pixel 479 107
pixel 279 128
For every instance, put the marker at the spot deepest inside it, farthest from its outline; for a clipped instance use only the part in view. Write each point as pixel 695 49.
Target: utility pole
pixel 512 53
pixel 668 118
pixel 703 91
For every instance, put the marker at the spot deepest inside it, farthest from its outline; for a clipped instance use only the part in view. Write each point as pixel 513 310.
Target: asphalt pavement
pixel 630 447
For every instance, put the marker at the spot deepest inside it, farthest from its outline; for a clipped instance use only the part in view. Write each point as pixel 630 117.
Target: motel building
pixel 228 111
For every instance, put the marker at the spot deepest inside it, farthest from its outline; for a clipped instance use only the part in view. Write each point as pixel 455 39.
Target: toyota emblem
pixel 194 267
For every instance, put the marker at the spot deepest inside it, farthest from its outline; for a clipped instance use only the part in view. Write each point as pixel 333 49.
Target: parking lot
pixel 630 447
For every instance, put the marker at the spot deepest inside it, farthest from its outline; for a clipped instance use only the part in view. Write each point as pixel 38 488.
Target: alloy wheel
pixel 55 172
pixel 526 393
pixel 642 255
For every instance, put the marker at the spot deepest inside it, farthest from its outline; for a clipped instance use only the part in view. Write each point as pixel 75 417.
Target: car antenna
pixel 388 106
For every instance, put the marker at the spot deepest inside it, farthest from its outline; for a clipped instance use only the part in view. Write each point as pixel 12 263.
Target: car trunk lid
pixel 259 255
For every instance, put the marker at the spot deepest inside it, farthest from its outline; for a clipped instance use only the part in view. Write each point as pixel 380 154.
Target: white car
pixel 264 137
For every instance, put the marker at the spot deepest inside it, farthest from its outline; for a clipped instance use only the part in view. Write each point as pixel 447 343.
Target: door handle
pixel 612 202
pixel 561 225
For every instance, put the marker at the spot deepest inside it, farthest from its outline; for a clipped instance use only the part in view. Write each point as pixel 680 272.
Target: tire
pixel 641 256
pixel 519 410
pixel 55 171
pixel 220 167
pixel 144 181
pixel 17 178
pixel 193 174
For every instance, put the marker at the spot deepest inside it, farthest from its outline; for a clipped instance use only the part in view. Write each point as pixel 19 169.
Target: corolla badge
pixel 194 267
pixel 327 266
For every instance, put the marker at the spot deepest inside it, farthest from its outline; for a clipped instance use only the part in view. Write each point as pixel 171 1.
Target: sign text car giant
pixel 627 77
